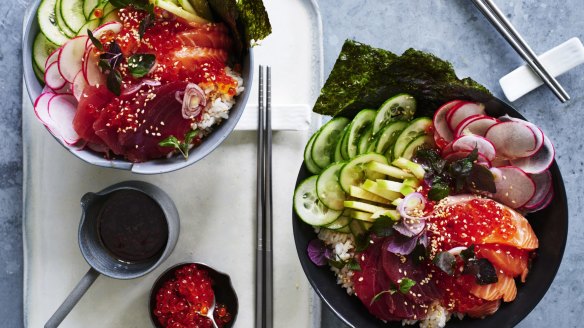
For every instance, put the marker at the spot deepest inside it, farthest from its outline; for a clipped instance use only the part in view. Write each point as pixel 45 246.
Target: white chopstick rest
pixel 557 61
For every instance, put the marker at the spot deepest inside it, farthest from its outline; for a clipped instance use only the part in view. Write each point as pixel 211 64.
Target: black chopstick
pixel 490 10
pixel 264 263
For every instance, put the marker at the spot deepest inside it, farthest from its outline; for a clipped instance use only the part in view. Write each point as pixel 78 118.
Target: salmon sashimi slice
pixel 483 310
pixel 513 262
pixel 504 288
pixel 206 36
pixel 195 56
pixel 523 238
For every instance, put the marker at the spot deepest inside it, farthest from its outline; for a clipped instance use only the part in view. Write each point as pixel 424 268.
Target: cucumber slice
pixel 310 165
pixel 202 9
pixel 42 48
pixel 341 222
pixel 397 108
pixel 388 135
pixel 38 73
pixel 88 6
pixel 365 141
pixel 308 206
pixel 354 173
pixel 358 127
pixel 72 13
pixel 48 22
pixel 416 128
pixel 423 141
pixel 90 25
pixel 328 189
pixel 111 17
pixel 108 9
pixel 327 139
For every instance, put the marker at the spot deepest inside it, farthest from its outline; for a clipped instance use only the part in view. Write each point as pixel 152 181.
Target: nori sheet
pixel 364 77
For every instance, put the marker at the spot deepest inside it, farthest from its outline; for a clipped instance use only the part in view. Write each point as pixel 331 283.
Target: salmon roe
pixel 184 300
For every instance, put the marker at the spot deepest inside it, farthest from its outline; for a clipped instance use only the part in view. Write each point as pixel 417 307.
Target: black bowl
pixel 550 226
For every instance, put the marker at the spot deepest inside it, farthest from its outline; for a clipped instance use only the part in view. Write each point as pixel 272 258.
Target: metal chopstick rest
pixel 508 31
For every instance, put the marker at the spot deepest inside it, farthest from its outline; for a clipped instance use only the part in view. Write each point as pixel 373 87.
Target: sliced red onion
pixel 410 202
pixel 193 101
pixel 456 250
pixel 135 87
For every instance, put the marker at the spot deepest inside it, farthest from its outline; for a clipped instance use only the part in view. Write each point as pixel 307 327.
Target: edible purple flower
pixel 318 253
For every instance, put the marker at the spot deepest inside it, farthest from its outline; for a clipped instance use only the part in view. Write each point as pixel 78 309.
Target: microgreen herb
pixel 182 147
pixel 114 82
pixel 468 253
pixel 483 270
pixel 445 262
pixel 144 24
pixel 362 242
pixel 404 287
pixel 140 64
pixel 353 265
pixel 94 40
pixel 462 174
pixel 383 226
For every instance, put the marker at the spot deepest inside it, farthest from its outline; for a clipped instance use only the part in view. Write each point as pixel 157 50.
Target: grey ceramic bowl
pixel 31 28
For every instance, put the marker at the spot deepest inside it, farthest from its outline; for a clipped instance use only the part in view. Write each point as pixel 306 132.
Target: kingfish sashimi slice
pixel 505 288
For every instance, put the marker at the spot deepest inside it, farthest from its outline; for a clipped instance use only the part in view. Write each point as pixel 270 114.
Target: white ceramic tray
pixel 215 198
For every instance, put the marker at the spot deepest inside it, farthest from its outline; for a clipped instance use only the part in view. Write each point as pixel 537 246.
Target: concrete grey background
pixel 451 29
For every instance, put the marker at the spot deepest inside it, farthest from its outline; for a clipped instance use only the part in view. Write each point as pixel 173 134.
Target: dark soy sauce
pixel 132 226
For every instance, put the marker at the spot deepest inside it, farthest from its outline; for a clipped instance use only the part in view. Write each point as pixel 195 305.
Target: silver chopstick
pixel 268 214
pixel 260 206
pixel 490 10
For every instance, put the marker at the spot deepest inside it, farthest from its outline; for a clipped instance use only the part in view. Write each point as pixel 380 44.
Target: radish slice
pixel 514 187
pixel 461 112
pixel 512 139
pixel 538 162
pixel 543 186
pixel 41 109
pixel 113 27
pixel 498 161
pixel 470 142
pixel 52 58
pixel 475 124
pixel 78 85
pixel 456 155
pixel 91 72
pixel 71 57
pixel 53 77
pixel 544 203
pixel 62 109
pixel 442 134
pixel 536 130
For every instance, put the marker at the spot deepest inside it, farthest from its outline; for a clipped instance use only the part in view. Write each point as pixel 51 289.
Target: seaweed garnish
pixel 364 77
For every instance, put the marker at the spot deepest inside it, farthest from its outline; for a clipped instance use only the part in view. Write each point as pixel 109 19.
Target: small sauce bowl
pixel 222 288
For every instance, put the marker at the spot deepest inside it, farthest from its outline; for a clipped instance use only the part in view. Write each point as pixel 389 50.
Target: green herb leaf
pixel 94 40
pixel 460 170
pixel 378 295
pixel 483 270
pixel 138 4
pixel 190 136
pixel 445 262
pixel 481 178
pixel 362 242
pixel 468 253
pixel 431 160
pixel 439 190
pixel 383 226
pixel 104 65
pixel 353 264
pixel 170 141
pixel 337 264
pixel 114 82
pixel 405 285
pixel 144 24
pixel 140 64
